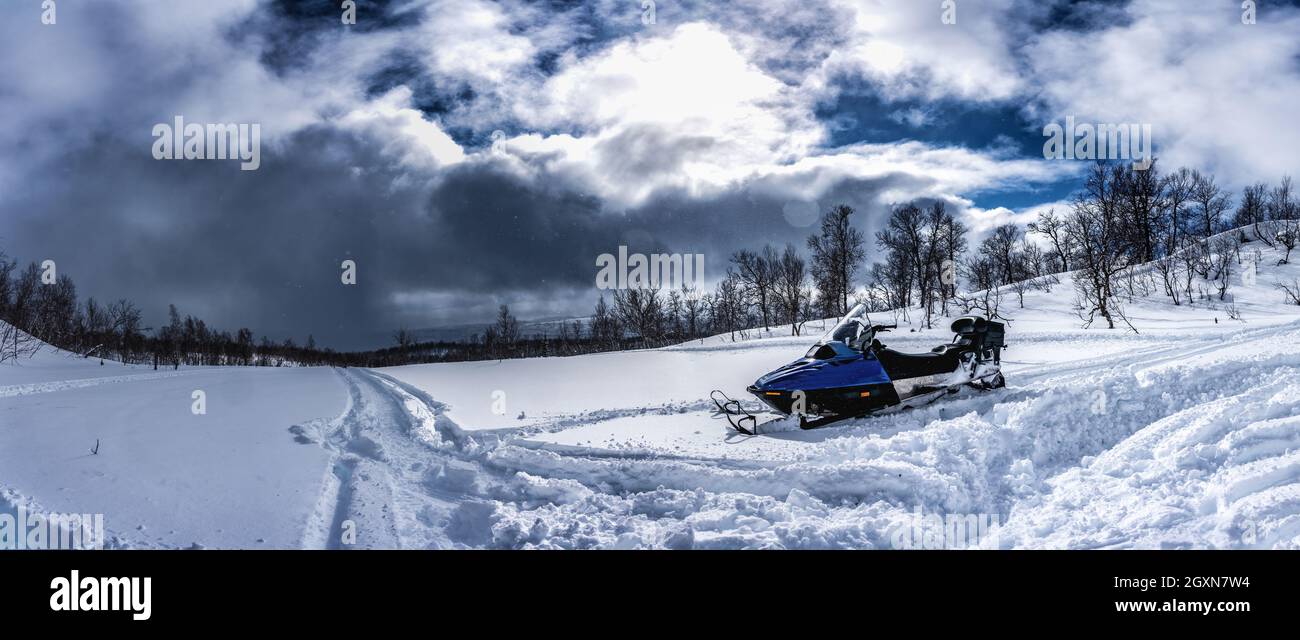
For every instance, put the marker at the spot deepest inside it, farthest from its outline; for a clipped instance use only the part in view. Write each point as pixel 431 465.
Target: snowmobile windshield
pixel 852 330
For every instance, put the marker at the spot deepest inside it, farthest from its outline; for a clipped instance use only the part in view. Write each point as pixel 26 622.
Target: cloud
pixel 716 128
pixel 1219 94
pixel 680 110
pixel 424 144
pixel 472 42
pixel 983 221
pixel 907 50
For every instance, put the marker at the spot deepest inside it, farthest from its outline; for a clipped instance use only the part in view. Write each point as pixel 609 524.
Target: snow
pixel 1186 434
pixel 163 476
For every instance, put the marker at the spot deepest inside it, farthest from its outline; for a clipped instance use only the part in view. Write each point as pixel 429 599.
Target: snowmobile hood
pixel 847 368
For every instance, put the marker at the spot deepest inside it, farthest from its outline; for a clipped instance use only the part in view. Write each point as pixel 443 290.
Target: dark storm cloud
pixel 263 248
pixel 259 249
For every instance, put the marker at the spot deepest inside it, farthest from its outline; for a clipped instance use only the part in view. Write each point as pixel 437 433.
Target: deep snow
pixel 1186 434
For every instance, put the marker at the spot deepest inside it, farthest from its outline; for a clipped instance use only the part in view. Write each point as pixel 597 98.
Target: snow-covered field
pixel 1186 434
pixel 233 477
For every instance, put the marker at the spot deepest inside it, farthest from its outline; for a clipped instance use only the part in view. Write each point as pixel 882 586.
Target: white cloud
pixel 684 109
pixel 690 107
pixel 472 41
pixel 982 221
pixel 1220 95
pixel 946 170
pixel 417 140
pixel 908 52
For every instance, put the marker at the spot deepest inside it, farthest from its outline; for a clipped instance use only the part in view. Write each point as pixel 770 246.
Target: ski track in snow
pixel 15 390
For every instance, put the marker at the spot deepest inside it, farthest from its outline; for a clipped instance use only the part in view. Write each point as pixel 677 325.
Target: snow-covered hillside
pixel 1186 434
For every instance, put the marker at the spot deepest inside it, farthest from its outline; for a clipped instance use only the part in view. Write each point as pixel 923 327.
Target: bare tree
pixel 1253 207
pixel 1220 257
pixel 7 267
pixel 903 241
pixel 1029 271
pixel 981 272
pixel 16 343
pixel 1179 187
pixel 1291 291
pixel 1192 256
pixel 985 298
pixel 791 292
pixel 1284 213
pixel 1001 247
pixel 1053 228
pixel 1288 236
pixel 605 328
pixel 1280 204
pixel 1211 202
pixel 642 311
pixel 921 249
pixel 507 326
pixel 1140 196
pixel 758 271
pixel 837 253
pixel 125 321
pixel 729 305
pixel 404 339
pixel 1094 225
pixel 952 246
pixel 1167 267
pixel 694 309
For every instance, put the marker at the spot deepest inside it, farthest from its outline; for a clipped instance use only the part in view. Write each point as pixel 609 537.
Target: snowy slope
pixel 1186 434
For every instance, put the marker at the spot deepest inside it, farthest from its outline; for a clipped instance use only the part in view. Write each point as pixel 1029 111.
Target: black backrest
pixel 979 331
pixel 969 325
pixel 996 335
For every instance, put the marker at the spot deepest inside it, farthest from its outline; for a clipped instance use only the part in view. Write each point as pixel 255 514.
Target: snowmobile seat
pixel 901 365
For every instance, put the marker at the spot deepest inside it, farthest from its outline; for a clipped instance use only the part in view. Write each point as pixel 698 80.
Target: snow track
pixel 1080 456
pixel 15 390
pixel 400 475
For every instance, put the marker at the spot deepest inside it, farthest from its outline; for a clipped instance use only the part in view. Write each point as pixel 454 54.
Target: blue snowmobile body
pixel 831 377
pixel 849 373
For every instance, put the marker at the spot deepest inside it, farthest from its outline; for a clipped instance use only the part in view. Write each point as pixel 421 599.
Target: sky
pixel 470 153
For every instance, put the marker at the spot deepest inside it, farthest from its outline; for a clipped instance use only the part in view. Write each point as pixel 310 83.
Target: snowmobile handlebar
pixel 883 327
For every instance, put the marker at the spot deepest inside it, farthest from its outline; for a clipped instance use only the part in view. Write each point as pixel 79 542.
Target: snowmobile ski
pixel 740 419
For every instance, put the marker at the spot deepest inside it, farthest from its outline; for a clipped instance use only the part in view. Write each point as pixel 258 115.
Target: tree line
pixel 36 309
pixel 1125 233
pixel 1128 233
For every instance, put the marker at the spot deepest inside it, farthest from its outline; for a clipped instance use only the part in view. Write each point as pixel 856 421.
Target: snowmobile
pixel 850 374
